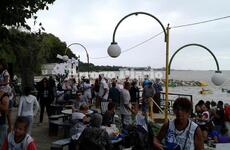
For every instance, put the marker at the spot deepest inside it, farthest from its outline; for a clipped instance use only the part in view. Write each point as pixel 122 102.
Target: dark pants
pixel 44 103
pixel 157 99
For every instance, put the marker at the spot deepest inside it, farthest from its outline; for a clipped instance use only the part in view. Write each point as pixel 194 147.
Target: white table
pixel 223 146
pixel 219 146
pixel 70 111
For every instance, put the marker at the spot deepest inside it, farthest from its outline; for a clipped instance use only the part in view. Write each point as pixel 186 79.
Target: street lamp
pixel 87 54
pixel 114 50
pixel 217 78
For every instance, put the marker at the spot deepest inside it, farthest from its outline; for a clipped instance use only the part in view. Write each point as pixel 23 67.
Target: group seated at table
pixel 100 130
pixel 93 136
pixel 212 119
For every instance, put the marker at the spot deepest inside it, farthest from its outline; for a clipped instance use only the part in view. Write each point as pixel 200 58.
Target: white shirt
pixel 184 138
pixel 87 90
pixel 28 106
pixel 103 87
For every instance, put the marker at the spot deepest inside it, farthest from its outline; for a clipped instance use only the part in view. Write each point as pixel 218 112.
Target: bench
pixel 55 124
pixel 56 117
pixel 56 109
pixel 59 144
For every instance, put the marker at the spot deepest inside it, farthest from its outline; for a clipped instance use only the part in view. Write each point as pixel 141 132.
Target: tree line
pixel 26 51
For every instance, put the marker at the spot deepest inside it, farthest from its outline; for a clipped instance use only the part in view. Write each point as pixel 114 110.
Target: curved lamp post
pixel 87 54
pixel 217 78
pixel 114 50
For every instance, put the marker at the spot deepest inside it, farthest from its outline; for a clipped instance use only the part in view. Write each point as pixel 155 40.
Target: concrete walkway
pixel 40 132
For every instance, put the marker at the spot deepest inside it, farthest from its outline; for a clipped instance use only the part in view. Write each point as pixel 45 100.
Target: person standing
pixel 134 93
pixel 4 75
pixel 52 86
pixel 5 87
pixel 87 90
pixel 95 90
pixel 4 106
pixel 146 81
pixel 103 93
pixel 28 107
pixel 125 106
pixel 45 97
pixel 157 96
pixel 114 94
pixel 147 99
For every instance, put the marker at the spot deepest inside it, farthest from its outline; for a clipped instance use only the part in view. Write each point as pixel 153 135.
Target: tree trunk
pixel 27 76
pixel 27 72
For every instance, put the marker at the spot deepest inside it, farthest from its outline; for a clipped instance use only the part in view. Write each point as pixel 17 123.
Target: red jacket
pixel 30 146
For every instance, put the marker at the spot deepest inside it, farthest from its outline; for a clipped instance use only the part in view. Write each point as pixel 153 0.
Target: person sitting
pixel 108 117
pixel 94 137
pixel 204 122
pixel 79 121
pixel 139 118
pixel 79 100
pixel 198 106
pixel 180 133
pixel 219 116
pixel 227 117
pixel 19 139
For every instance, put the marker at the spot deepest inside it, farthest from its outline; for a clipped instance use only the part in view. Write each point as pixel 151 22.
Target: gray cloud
pixel 92 22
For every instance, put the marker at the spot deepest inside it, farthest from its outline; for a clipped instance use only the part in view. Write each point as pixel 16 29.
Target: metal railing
pixel 172 98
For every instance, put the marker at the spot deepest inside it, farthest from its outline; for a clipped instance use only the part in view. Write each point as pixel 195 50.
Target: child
pixel 28 106
pixel 19 139
pixel 108 117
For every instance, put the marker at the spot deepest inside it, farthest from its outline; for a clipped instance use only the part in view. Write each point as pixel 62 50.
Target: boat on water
pixel 205 91
pixel 203 83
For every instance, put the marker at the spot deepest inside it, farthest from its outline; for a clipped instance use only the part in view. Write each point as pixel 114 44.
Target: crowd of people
pixel 213 119
pixel 135 106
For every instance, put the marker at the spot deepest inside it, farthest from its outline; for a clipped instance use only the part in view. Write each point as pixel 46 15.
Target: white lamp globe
pixel 218 79
pixel 114 50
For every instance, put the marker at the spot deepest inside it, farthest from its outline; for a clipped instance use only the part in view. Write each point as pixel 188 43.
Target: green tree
pixel 25 49
pixel 13 13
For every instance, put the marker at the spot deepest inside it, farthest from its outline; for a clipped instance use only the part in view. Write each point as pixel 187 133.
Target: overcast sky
pixel 92 22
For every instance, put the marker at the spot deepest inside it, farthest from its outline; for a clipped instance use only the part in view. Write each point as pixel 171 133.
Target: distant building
pixel 61 68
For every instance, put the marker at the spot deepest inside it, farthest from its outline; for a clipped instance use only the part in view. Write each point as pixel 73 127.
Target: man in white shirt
pixel 103 93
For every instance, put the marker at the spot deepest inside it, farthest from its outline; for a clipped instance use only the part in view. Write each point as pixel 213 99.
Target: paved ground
pixel 40 132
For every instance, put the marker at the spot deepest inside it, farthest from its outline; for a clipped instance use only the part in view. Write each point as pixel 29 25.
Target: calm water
pixel 217 93
pixel 189 75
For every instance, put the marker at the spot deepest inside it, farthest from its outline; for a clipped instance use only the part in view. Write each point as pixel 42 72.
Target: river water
pixel 185 75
